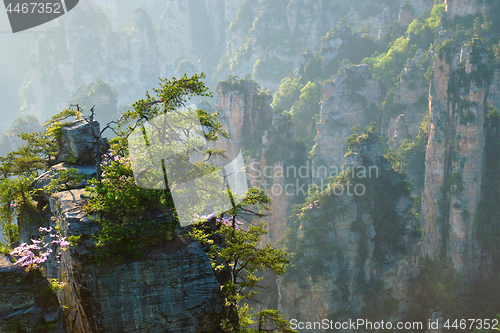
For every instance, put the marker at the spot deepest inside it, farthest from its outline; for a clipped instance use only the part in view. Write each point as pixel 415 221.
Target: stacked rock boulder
pixel 172 288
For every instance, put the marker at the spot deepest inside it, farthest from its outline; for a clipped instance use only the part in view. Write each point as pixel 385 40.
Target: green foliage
pixel 171 95
pixel 423 31
pixel 234 83
pixel 54 124
pixel 131 217
pixel 288 93
pixel 387 66
pixel 242 256
pixel 364 135
pixel 67 178
pixel 486 217
pixel 303 112
pixel 125 211
pixel 19 168
pixel 17 196
pixel 37 154
pixel 410 156
pixel 271 69
pixel 73 240
pixel 312 69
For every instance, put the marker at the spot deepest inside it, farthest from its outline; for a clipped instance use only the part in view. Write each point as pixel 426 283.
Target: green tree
pixel 18 169
pixel 287 94
pixel 303 113
pixel 131 215
pixel 17 197
pixel 241 257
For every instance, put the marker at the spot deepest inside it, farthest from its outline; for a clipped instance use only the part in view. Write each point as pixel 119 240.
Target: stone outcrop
pixel 76 143
pixel 334 43
pixel 87 171
pixel 463 8
pixel 410 97
pixel 406 15
pixel 456 158
pixel 347 101
pixel 27 302
pixel 247 116
pixel 338 244
pixel 173 288
pixel 314 291
pixel 384 24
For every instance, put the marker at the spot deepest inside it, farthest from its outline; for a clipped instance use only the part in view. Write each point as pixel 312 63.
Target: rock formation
pixel 28 303
pixel 456 156
pixel 59 67
pixel 347 101
pixel 463 8
pixel 334 43
pixel 268 144
pixel 406 15
pixel 340 248
pixel 384 25
pixel 410 97
pixel 172 287
pixel 400 132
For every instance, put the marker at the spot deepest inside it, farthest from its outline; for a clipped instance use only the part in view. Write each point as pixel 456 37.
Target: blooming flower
pixel 32 255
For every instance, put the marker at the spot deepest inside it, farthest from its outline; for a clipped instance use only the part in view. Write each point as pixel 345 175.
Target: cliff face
pixel 174 288
pixel 463 8
pixel 297 25
pixel 341 243
pixel 268 144
pixel 410 98
pixel 351 99
pixel 193 29
pixel 343 268
pixel 353 255
pixel 246 47
pixel 455 158
pixel 28 303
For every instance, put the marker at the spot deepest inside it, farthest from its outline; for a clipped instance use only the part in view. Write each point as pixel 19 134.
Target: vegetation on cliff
pixel 132 219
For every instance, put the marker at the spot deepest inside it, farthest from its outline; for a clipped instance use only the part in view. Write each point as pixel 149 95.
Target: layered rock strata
pixel 351 98
pixel 455 158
